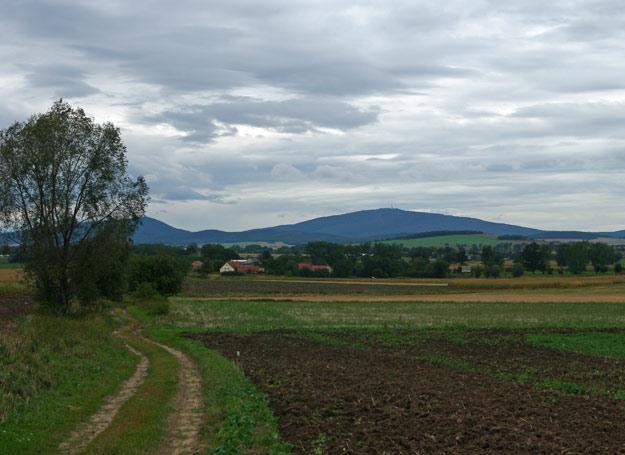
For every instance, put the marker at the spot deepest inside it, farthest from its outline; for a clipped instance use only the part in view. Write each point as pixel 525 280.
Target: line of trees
pixel 382 260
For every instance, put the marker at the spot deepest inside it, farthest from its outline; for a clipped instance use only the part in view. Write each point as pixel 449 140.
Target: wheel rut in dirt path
pixel 87 431
pixel 185 422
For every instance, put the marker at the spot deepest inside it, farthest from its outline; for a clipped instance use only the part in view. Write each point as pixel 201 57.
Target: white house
pixel 227 268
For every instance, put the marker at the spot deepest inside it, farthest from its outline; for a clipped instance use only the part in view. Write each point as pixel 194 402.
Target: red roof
pixel 242 267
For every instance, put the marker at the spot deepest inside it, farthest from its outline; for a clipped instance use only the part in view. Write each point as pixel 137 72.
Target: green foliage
pixel 164 273
pixel 214 256
pixel 148 298
pixel 535 257
pixel 574 256
pixel 65 188
pixel 518 269
pixel 385 261
pixel 601 256
pixel 577 255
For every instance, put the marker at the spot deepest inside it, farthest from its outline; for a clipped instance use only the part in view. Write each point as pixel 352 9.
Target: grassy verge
pixel 238 419
pixel 54 373
pixel 140 424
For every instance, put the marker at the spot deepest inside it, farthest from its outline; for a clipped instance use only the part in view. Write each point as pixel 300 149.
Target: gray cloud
pixel 245 113
pixel 65 81
pixel 289 116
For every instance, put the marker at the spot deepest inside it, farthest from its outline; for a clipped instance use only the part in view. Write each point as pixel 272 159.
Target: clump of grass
pixel 54 372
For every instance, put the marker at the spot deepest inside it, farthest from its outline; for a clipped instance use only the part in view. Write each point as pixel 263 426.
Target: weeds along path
pixel 185 422
pixel 87 432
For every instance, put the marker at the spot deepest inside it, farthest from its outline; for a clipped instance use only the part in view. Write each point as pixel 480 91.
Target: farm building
pixel 313 267
pixel 196 265
pixel 240 266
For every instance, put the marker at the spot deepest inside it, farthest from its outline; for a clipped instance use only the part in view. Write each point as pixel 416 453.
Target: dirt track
pixel 87 432
pixel 344 400
pixel 183 425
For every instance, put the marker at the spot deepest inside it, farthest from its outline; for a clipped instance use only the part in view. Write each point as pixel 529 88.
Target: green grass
pixel 11 265
pixel 238 419
pixel 54 373
pixel 246 316
pixel 451 240
pixel 140 424
pixel 598 343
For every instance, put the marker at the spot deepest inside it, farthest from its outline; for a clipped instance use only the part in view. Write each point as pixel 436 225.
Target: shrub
pixel 150 300
pixel 518 269
pixel 145 292
pixel 618 268
pixel 164 273
pixel 492 271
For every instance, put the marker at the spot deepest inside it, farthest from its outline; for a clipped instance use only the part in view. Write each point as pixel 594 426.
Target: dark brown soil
pixel 375 401
pixel 505 351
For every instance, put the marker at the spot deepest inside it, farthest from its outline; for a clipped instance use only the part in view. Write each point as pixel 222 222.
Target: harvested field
pixel 606 289
pixel 375 399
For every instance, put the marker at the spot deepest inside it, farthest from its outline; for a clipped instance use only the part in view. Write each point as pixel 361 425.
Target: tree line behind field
pixel 383 260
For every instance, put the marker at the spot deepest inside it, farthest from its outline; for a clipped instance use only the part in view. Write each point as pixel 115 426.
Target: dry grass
pixel 11 275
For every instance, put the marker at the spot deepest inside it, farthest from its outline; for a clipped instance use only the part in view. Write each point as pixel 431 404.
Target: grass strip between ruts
pixel 140 424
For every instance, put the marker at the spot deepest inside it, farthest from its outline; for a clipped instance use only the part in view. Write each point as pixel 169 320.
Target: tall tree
pixel 66 190
pixel 536 257
pixel 601 255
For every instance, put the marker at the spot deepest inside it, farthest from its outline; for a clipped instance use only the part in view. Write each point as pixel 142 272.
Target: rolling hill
pixel 349 227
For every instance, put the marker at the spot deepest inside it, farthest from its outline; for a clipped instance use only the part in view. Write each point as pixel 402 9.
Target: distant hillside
pixel 350 227
pixel 369 224
pixel 443 240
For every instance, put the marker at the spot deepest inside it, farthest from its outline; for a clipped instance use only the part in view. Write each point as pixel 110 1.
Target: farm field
pixel 293 369
pixel 406 377
pixel 352 393
pixel 451 240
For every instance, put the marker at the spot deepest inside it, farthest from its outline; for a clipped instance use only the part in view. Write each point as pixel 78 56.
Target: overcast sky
pixel 245 114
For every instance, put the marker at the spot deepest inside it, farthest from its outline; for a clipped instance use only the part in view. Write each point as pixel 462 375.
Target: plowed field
pixel 358 395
